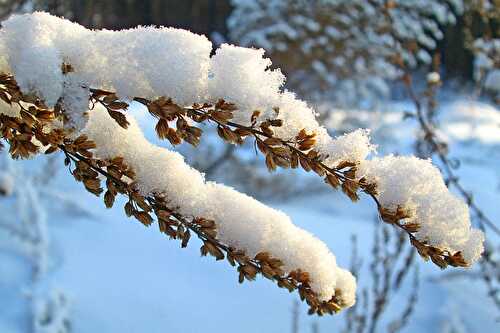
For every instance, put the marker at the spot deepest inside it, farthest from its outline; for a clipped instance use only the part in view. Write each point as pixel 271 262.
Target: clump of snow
pixel 75 102
pixel 352 147
pixel 241 75
pixel 296 115
pixel 417 186
pixel 9 110
pixel 486 64
pixel 492 81
pixel 433 78
pixel 242 222
pixel 146 61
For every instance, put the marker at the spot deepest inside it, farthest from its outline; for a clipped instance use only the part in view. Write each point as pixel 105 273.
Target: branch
pixel 120 179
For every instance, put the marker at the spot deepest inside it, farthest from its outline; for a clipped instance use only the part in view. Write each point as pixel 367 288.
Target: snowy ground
pixel 122 277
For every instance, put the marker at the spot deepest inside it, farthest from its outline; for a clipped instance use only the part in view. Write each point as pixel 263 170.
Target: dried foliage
pixel 391 264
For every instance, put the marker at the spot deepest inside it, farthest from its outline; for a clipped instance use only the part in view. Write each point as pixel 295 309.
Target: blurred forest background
pixel 209 17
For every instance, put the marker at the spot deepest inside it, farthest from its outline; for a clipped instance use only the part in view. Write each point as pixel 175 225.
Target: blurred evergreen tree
pixel 209 16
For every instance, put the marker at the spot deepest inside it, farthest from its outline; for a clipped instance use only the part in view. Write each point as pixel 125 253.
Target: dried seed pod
pixel 333 180
pixel 119 118
pixel 213 250
pixel 307 144
pixel 92 183
pixel 270 162
pixel 294 160
pixel 117 105
pixel 153 108
pixel 185 239
pixel 162 128
pixel 276 122
pixel 273 142
pixel 109 199
pixel 254 117
pixel 221 116
pixel 345 164
pixel 173 137
pixel 143 217
pixel 163 214
pixel 249 271
pixel 316 167
pixel 304 163
pixel 262 147
pixel 411 227
pixel 262 256
pixel 350 188
pixel 281 161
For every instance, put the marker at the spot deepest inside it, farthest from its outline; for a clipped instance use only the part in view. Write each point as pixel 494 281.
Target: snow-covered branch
pixel 55 67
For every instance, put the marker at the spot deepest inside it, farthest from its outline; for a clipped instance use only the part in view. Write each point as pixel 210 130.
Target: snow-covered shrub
pixel 71 87
pixel 342 50
pixel 482 36
pixel 51 313
pixel 25 226
pixel 487 65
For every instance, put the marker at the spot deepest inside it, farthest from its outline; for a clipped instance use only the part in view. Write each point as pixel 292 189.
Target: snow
pixel 240 75
pixel 130 62
pixel 473 121
pixel 51 313
pixel 486 66
pixel 433 78
pixel 6 183
pixel 417 185
pixel 492 81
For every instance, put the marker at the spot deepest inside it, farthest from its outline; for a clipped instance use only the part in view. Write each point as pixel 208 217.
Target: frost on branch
pixel 50 66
